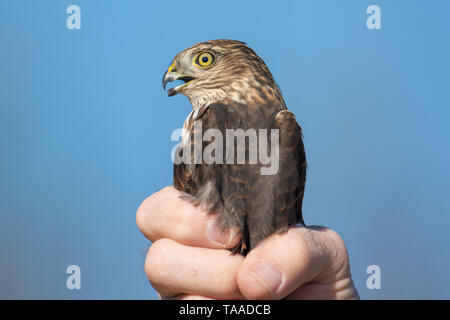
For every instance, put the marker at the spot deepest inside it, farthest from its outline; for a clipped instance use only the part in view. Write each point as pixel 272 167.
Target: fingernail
pixel 267 275
pixel 217 235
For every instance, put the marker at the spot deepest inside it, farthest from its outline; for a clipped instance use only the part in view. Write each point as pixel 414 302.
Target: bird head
pixel 218 70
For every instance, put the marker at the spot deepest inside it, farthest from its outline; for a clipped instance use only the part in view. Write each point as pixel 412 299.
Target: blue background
pixel 85 133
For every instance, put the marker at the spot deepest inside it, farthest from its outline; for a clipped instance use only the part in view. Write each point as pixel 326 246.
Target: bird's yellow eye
pixel 204 59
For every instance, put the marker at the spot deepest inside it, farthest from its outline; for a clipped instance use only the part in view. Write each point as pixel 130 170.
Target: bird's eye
pixel 204 59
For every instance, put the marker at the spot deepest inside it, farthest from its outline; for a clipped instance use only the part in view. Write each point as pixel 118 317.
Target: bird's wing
pixel 216 187
pixel 292 177
pixel 257 204
pixel 276 200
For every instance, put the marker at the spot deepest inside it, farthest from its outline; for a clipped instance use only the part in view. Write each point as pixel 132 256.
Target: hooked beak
pixel 170 76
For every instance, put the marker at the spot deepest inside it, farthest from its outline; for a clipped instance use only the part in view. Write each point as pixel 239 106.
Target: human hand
pixel 189 258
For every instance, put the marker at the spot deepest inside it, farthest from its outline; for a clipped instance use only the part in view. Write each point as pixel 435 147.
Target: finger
pixel 174 269
pixel 166 215
pixel 284 262
pixel 343 289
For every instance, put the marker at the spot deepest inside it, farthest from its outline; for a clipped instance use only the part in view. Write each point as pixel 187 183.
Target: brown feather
pixel 239 92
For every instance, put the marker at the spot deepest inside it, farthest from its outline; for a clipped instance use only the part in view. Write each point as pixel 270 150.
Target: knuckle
pixel 303 244
pixel 339 244
pixel 147 208
pixel 142 214
pixel 156 263
pixel 166 190
pixel 338 253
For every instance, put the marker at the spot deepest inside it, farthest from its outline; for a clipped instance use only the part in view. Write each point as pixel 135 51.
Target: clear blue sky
pixel 85 133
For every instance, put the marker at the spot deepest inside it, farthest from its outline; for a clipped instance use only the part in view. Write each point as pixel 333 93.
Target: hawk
pixel 230 87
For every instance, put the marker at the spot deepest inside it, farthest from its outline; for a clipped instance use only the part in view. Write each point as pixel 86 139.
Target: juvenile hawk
pixel 230 87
